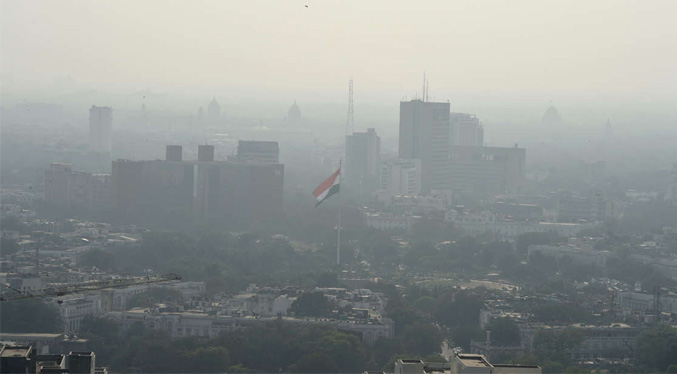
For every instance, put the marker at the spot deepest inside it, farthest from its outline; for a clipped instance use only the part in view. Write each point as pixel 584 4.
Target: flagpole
pixel 338 240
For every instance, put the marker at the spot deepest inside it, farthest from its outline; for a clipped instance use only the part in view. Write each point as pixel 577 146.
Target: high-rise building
pixel 100 128
pixel 213 111
pixel 424 135
pixel 235 191
pixel 487 169
pixel 363 156
pixel 400 177
pixel 67 188
pixel 258 152
pixel 466 130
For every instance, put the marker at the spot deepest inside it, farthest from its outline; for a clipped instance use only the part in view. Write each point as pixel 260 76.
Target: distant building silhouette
pixel 260 152
pixel 424 135
pixel 466 130
pixel 551 117
pixel 214 111
pixel 363 156
pixel 234 191
pixel 100 128
pixel 294 114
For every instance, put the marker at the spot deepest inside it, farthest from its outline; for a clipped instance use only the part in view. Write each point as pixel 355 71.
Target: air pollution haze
pixel 328 186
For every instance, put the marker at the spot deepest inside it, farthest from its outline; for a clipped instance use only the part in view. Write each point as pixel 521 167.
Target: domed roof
pixel 294 113
pixel 551 117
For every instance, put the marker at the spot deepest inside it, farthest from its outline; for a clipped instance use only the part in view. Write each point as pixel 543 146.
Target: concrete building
pixel 100 128
pixel 363 158
pixel 487 169
pixel 462 364
pixel 424 135
pixel 594 207
pixel 213 112
pixel 233 191
pixel 465 130
pixel 477 223
pixel 399 177
pixel 641 301
pixel 389 221
pixel 574 253
pixel 258 152
pixel 66 188
pixel 73 309
pixel 617 340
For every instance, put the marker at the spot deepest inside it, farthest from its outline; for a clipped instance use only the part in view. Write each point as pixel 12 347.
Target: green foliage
pixel 459 309
pixel 425 304
pixel 311 304
pixel 327 279
pixel 99 258
pixel 504 332
pixel 8 247
pixel 554 347
pixel 658 347
pixel 29 315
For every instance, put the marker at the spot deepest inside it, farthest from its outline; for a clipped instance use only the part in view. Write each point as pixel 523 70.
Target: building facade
pixel 100 128
pixel 465 130
pixel 424 135
pixel 363 158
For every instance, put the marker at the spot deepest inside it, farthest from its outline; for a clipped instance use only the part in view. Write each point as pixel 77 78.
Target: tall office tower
pixel 465 129
pixel 424 135
pixel 259 152
pixel 100 126
pixel 363 157
pixel 400 177
pixel 487 169
pixel 213 111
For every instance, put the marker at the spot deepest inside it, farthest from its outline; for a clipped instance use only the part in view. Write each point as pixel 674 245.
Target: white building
pixel 466 130
pixel 73 309
pixel 389 221
pixel 477 223
pixel 399 177
pixel 583 256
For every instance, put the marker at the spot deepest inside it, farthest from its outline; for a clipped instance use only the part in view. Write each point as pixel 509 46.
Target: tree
pixel 29 315
pixel 311 304
pixel 459 309
pixel 315 363
pixel 504 332
pixel 658 347
pixel 8 246
pixel 99 258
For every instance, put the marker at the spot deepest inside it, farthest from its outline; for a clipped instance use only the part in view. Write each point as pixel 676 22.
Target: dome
pixel 551 117
pixel 294 113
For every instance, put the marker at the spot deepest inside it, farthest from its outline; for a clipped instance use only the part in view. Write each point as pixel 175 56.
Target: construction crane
pixel 88 286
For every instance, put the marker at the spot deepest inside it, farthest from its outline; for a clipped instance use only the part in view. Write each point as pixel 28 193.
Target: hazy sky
pixel 599 46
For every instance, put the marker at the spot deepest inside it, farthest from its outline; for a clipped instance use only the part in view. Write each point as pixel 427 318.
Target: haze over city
pixel 335 186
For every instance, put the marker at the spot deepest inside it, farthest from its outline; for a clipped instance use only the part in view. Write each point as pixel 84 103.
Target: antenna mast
pixel 350 123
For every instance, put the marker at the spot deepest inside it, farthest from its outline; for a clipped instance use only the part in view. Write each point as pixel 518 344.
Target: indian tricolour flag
pixel 328 187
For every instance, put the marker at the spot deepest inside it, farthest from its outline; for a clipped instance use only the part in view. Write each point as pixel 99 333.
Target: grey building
pixel 363 158
pixel 100 128
pixel 424 135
